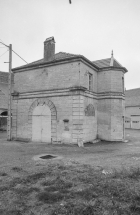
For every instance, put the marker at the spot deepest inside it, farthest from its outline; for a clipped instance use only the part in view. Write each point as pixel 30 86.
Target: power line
pixel 1 41
pixel 3 53
pixel 19 56
pixel 4 44
pixel 12 50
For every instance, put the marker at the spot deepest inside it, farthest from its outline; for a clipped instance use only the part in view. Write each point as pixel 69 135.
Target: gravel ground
pixel 104 155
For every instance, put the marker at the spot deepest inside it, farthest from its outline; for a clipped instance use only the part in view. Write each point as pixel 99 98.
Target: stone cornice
pixel 132 105
pixel 68 92
pixel 113 68
pixel 111 93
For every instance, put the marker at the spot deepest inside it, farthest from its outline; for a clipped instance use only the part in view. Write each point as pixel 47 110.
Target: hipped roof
pixel 99 64
pixel 106 63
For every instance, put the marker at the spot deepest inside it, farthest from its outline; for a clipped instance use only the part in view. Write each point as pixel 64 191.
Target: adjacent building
pixel 132 108
pixel 66 98
pixel 4 99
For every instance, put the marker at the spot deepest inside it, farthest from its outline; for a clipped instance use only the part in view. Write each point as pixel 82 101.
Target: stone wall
pixel 110 81
pixel 90 119
pixel 84 79
pixel 4 90
pixel 111 105
pixel 69 107
pixel 111 119
pixel 60 84
pixel 104 119
pixel 21 126
pixel 47 78
pixel 117 119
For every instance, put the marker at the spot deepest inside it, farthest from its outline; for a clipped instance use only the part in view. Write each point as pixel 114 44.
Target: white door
pixel 41 124
pixel 36 128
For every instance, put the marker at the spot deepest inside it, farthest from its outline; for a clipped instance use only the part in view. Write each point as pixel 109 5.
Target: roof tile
pixel 106 63
pixel 60 55
pixel 63 55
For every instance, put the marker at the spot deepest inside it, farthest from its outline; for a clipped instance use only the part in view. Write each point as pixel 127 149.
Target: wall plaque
pixel 89 110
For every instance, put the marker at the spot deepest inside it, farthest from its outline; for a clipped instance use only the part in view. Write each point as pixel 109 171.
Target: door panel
pixel 41 124
pixel 36 128
pixel 46 129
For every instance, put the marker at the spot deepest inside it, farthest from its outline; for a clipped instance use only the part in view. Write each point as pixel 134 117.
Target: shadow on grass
pixel 17 169
pixel 54 190
pixel 50 198
pixel 132 173
pixel 11 212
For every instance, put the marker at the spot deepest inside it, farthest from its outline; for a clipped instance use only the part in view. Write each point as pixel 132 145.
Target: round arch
pixel 49 103
pixel 4 113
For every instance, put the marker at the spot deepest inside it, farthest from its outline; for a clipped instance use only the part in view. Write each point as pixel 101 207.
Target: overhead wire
pixel 12 51
pixel 19 56
pixel 1 40
pixel 3 53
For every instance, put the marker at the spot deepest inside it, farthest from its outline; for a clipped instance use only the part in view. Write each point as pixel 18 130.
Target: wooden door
pixel 41 124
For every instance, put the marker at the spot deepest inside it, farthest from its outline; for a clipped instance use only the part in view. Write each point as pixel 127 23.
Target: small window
pixel 90 81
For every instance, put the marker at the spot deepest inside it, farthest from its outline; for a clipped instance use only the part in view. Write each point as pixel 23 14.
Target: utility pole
pixel 9 94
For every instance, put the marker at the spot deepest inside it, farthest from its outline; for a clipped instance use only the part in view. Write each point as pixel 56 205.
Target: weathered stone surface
pixel 106 98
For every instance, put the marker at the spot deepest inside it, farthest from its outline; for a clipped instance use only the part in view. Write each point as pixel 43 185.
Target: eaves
pixel 57 62
pixel 113 68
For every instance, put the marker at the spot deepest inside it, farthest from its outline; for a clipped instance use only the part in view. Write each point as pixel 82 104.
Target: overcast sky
pixel 88 27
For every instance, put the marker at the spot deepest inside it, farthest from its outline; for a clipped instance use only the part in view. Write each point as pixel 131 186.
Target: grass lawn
pixel 70 189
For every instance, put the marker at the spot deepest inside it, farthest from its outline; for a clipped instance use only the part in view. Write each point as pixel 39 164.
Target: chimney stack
pixel 49 49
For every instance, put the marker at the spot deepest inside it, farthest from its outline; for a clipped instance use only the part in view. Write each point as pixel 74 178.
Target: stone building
pixel 132 108
pixel 66 98
pixel 4 99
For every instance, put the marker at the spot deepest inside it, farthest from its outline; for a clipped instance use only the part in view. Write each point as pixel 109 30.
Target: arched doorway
pixel 3 120
pixel 41 124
